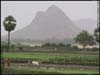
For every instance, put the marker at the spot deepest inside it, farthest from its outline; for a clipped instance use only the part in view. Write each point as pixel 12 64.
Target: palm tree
pixel 9 25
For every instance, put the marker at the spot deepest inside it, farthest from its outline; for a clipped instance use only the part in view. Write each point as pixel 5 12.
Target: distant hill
pixel 49 25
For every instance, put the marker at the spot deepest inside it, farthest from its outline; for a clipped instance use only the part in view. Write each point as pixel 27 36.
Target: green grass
pixel 26 70
pixel 54 57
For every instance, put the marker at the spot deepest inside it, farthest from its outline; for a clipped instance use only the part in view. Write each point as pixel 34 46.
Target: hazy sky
pixel 25 11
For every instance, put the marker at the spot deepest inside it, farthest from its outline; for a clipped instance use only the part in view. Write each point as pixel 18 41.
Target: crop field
pixel 82 59
pixel 55 57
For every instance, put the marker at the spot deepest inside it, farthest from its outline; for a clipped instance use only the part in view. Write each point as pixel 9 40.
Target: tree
pixel 20 47
pixel 84 39
pixel 91 40
pixel 46 45
pixel 53 45
pixel 12 45
pixel 9 25
pixel 49 45
pixel 75 48
pixel 97 33
pixel 68 45
pixel 61 45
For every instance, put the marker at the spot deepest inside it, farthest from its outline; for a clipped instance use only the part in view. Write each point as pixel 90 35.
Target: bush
pixel 75 48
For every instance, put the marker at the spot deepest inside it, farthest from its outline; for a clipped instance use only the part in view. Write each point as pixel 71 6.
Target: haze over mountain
pixel 48 25
pixel 87 24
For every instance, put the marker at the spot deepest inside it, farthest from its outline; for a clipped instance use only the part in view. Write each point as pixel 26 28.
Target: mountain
pixel 87 24
pixel 48 25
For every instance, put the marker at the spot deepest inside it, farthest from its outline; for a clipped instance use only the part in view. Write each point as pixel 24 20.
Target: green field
pixel 87 59
pixel 23 70
pixel 55 57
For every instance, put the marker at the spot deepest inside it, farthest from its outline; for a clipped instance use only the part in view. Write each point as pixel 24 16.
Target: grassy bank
pixel 16 70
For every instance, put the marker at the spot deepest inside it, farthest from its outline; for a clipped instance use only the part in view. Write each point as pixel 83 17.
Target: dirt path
pixel 53 66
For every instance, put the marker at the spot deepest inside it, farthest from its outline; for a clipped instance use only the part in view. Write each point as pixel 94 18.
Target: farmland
pixel 68 62
pixel 56 57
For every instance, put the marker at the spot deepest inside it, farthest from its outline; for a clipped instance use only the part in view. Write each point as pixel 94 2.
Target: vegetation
pixel 97 34
pixel 84 38
pixel 20 46
pixel 68 45
pixel 9 24
pixel 89 59
pixel 17 70
pixel 26 70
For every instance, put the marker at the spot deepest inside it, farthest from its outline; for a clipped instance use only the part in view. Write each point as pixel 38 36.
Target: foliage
pixel 61 45
pixel 46 45
pixel 97 33
pixel 20 47
pixel 9 23
pixel 68 45
pixel 56 57
pixel 26 70
pixel 75 48
pixel 84 38
pixel 53 45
